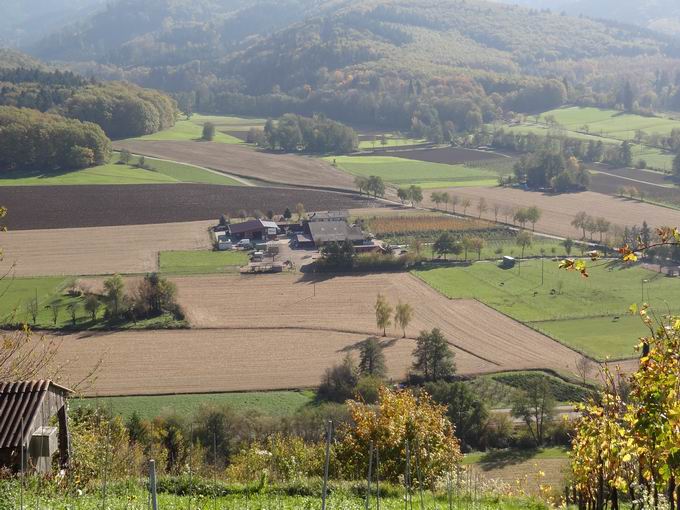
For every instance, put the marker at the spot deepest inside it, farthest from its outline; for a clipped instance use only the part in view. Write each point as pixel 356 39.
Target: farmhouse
pixel 27 440
pixel 259 230
pixel 324 232
pixel 329 216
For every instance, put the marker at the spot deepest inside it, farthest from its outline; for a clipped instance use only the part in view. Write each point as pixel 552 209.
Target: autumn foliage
pixel 627 443
pixel 400 418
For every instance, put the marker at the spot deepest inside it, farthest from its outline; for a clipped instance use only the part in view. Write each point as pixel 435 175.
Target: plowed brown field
pixel 485 340
pixel 283 331
pixel 559 210
pixel 247 162
pixel 98 250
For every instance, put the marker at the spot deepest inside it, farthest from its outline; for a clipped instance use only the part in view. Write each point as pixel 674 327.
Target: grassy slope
pixel 274 403
pixel 201 262
pixel 17 292
pixel 600 298
pixel 162 172
pixel 186 130
pixel 404 172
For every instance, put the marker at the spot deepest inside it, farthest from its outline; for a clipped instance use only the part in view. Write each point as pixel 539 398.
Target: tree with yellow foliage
pixel 400 418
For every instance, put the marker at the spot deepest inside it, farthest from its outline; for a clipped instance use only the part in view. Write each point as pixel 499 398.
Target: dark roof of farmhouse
pixel 334 231
pixel 20 406
pixel 249 226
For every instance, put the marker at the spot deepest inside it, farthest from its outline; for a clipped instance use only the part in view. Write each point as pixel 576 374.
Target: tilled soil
pixel 98 250
pixel 247 162
pixel 48 207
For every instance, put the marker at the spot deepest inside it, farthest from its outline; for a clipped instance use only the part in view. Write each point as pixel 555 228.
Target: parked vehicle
pixel 244 244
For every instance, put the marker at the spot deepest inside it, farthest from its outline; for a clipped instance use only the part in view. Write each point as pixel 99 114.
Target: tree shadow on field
pixel 385 342
pixel 502 458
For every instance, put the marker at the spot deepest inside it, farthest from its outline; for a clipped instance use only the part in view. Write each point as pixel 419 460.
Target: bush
pixel 208 131
pixel 80 157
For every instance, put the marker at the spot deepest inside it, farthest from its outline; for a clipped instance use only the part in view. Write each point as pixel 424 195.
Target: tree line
pixel 317 134
pixel 122 110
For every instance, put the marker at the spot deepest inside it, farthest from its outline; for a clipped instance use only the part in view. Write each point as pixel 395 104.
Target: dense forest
pixel 31 140
pixel 426 66
pixel 122 110
pixel 660 15
pixel 318 135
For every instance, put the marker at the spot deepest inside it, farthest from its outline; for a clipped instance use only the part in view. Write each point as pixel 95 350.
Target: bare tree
pixel 584 366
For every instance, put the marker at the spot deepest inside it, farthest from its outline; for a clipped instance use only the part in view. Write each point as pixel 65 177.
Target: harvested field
pixel 99 250
pixel 265 333
pixel 198 361
pixel 51 207
pixel 484 340
pixel 559 210
pixel 247 163
pixel 655 186
pixel 447 155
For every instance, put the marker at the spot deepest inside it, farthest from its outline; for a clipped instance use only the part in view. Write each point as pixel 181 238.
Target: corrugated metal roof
pixel 19 405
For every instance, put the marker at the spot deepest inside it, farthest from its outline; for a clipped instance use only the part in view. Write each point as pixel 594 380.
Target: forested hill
pixel 23 22
pixel 660 15
pixel 166 32
pixel 259 43
pixel 11 59
pixel 433 37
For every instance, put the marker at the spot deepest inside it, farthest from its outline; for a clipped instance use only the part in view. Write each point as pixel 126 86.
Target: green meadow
pixel 406 172
pixel 201 262
pixel 273 403
pixel 588 314
pixel 157 171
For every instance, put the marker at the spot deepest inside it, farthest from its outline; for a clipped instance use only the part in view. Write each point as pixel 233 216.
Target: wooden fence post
pixel 152 485
pixel 326 465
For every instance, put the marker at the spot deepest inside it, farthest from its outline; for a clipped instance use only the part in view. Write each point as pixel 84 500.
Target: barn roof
pixel 20 403
pixel 249 226
pixel 329 215
pixel 334 231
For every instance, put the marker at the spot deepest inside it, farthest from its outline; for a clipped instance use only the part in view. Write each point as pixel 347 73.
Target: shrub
pixel 400 417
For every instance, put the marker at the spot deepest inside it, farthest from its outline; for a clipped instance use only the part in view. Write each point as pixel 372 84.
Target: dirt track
pixel 559 210
pixel 98 250
pixel 247 162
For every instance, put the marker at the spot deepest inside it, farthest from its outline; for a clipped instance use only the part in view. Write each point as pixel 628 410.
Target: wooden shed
pixel 29 411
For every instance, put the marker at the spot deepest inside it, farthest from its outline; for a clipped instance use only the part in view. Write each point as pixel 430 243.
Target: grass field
pixel 610 127
pixel 133 495
pixel 17 292
pixel 550 247
pixel 391 139
pixel 611 123
pixel 513 456
pixel 189 130
pixel 201 262
pixel 159 172
pixel 405 172
pixel 576 311
pixel 272 403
